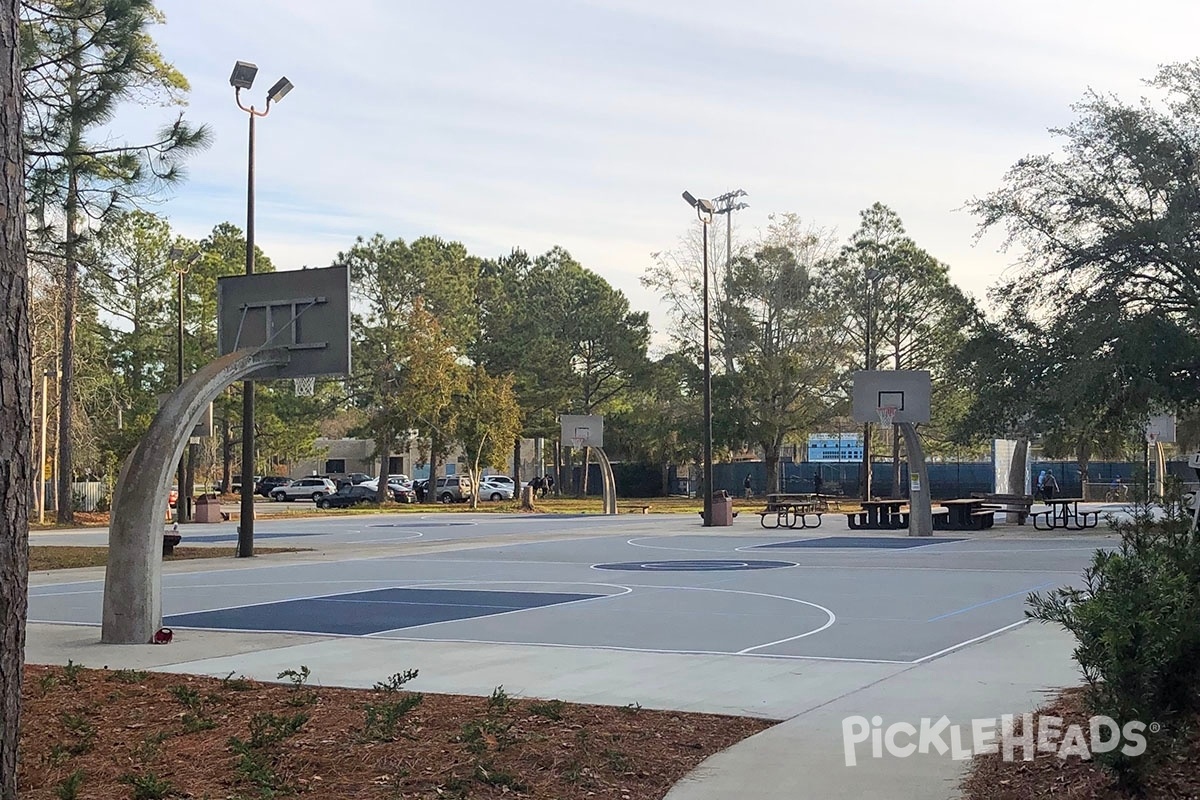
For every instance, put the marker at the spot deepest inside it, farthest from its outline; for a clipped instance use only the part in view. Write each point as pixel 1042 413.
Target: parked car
pixel 346 497
pixel 304 489
pixel 453 489
pixel 495 491
pixel 268 482
pixel 353 479
pixel 401 492
pixel 500 480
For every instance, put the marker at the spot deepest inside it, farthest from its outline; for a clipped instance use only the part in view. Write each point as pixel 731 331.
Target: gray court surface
pixel 651 585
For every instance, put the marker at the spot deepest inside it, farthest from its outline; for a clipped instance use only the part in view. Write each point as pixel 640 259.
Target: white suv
pixel 304 489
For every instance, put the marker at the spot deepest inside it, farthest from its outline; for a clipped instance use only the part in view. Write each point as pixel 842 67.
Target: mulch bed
pixel 117 734
pixel 1048 776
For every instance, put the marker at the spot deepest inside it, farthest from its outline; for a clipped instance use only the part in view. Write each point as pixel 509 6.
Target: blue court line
pixel 996 600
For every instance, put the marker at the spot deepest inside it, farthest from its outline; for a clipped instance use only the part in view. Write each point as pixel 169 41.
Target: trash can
pixel 722 509
pixel 208 509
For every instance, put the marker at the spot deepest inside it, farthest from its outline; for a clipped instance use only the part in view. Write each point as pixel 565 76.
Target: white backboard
pixel 1161 428
pixel 582 430
pixel 906 390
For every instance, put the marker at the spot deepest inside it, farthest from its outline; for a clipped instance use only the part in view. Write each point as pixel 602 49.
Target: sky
pixel 535 123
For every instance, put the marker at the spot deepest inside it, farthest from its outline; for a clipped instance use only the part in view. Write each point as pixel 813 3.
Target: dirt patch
pixel 126 734
pixel 1048 776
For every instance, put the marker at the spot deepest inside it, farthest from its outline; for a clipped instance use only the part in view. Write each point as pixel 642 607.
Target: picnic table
pixel 791 511
pixel 879 515
pixel 968 514
pixel 1064 513
pixel 1015 505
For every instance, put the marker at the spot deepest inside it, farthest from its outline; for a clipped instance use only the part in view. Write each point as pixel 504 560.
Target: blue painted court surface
pixel 361 613
pixel 859 542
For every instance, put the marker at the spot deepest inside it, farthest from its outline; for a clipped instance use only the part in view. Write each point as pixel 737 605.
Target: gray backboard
pixel 586 429
pixel 907 390
pixel 306 311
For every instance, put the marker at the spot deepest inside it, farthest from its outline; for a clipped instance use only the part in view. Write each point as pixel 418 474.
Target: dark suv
pixel 268 482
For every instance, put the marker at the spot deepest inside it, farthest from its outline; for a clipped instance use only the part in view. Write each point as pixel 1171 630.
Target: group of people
pixel 542 485
pixel 748 484
pixel 1047 485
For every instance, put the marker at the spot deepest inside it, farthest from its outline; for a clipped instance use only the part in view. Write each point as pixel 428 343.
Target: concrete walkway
pixel 804 757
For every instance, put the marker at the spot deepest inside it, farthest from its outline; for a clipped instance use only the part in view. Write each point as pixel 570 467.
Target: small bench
pixel 638 510
pixel 170 542
pixel 986 517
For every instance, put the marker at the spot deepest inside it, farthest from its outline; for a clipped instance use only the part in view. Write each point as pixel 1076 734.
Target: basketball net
pixel 577 443
pixel 887 415
pixel 1151 437
pixel 305 386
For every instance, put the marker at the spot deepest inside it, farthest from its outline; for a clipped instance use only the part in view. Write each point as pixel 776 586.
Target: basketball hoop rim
pixel 887 415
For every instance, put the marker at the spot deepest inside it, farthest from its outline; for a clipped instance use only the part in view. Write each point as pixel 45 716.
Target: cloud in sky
pixel 531 123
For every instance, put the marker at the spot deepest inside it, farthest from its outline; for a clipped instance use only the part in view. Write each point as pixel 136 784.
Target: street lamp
pixel 871 275
pixel 182 510
pixel 243 78
pixel 705 211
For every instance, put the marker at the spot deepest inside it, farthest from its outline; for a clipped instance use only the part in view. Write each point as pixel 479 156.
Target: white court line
pixel 655 651
pixel 633 542
pixel 968 642
pixel 831 617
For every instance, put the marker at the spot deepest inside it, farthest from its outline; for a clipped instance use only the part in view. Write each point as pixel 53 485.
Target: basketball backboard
pixel 1161 429
pixel 906 390
pixel 306 310
pixel 582 430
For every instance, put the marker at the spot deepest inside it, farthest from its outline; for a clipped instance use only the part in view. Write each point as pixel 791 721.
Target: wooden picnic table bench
pixel 1020 505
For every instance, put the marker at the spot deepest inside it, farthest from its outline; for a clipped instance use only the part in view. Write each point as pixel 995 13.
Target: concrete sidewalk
pixel 804 757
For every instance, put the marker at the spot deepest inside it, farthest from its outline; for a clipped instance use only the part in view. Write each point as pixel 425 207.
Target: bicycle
pixel 1117 494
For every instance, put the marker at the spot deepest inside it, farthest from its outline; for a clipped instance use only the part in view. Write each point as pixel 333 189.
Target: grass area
pixel 68 557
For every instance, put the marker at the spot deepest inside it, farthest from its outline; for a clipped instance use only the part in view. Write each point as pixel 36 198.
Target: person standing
pixel 1049 486
pixel 1040 490
pixel 818 482
pixel 748 486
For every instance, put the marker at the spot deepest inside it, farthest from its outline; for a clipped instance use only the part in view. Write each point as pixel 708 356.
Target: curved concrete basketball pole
pixel 608 481
pixel 920 513
pixel 133 580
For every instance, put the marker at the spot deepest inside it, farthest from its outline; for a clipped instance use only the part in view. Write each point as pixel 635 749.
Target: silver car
pixel 304 489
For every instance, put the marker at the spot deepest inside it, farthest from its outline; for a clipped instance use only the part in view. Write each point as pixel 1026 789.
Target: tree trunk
pixel 866 464
pixel 1083 456
pixel 771 461
pixel 435 445
pixel 226 455
pixel 16 403
pixel 70 291
pixel 516 476
pixel 66 375
pixel 558 467
pixel 1016 470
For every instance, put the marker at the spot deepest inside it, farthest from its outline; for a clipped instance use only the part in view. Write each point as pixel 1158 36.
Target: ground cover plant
pixel 126 734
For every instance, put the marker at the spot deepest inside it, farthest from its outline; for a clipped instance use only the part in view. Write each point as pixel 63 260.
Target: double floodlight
pixel 279 90
pixel 243 75
pixel 243 78
pixel 701 206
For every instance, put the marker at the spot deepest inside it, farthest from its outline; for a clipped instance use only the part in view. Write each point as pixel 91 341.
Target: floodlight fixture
pixel 279 90
pixel 705 206
pixel 691 200
pixel 243 75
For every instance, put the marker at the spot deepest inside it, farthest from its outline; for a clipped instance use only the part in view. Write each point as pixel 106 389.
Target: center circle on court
pixel 694 565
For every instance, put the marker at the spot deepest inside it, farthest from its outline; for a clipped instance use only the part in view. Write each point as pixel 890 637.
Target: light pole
pixel 704 211
pixel 182 506
pixel 871 275
pixel 243 78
